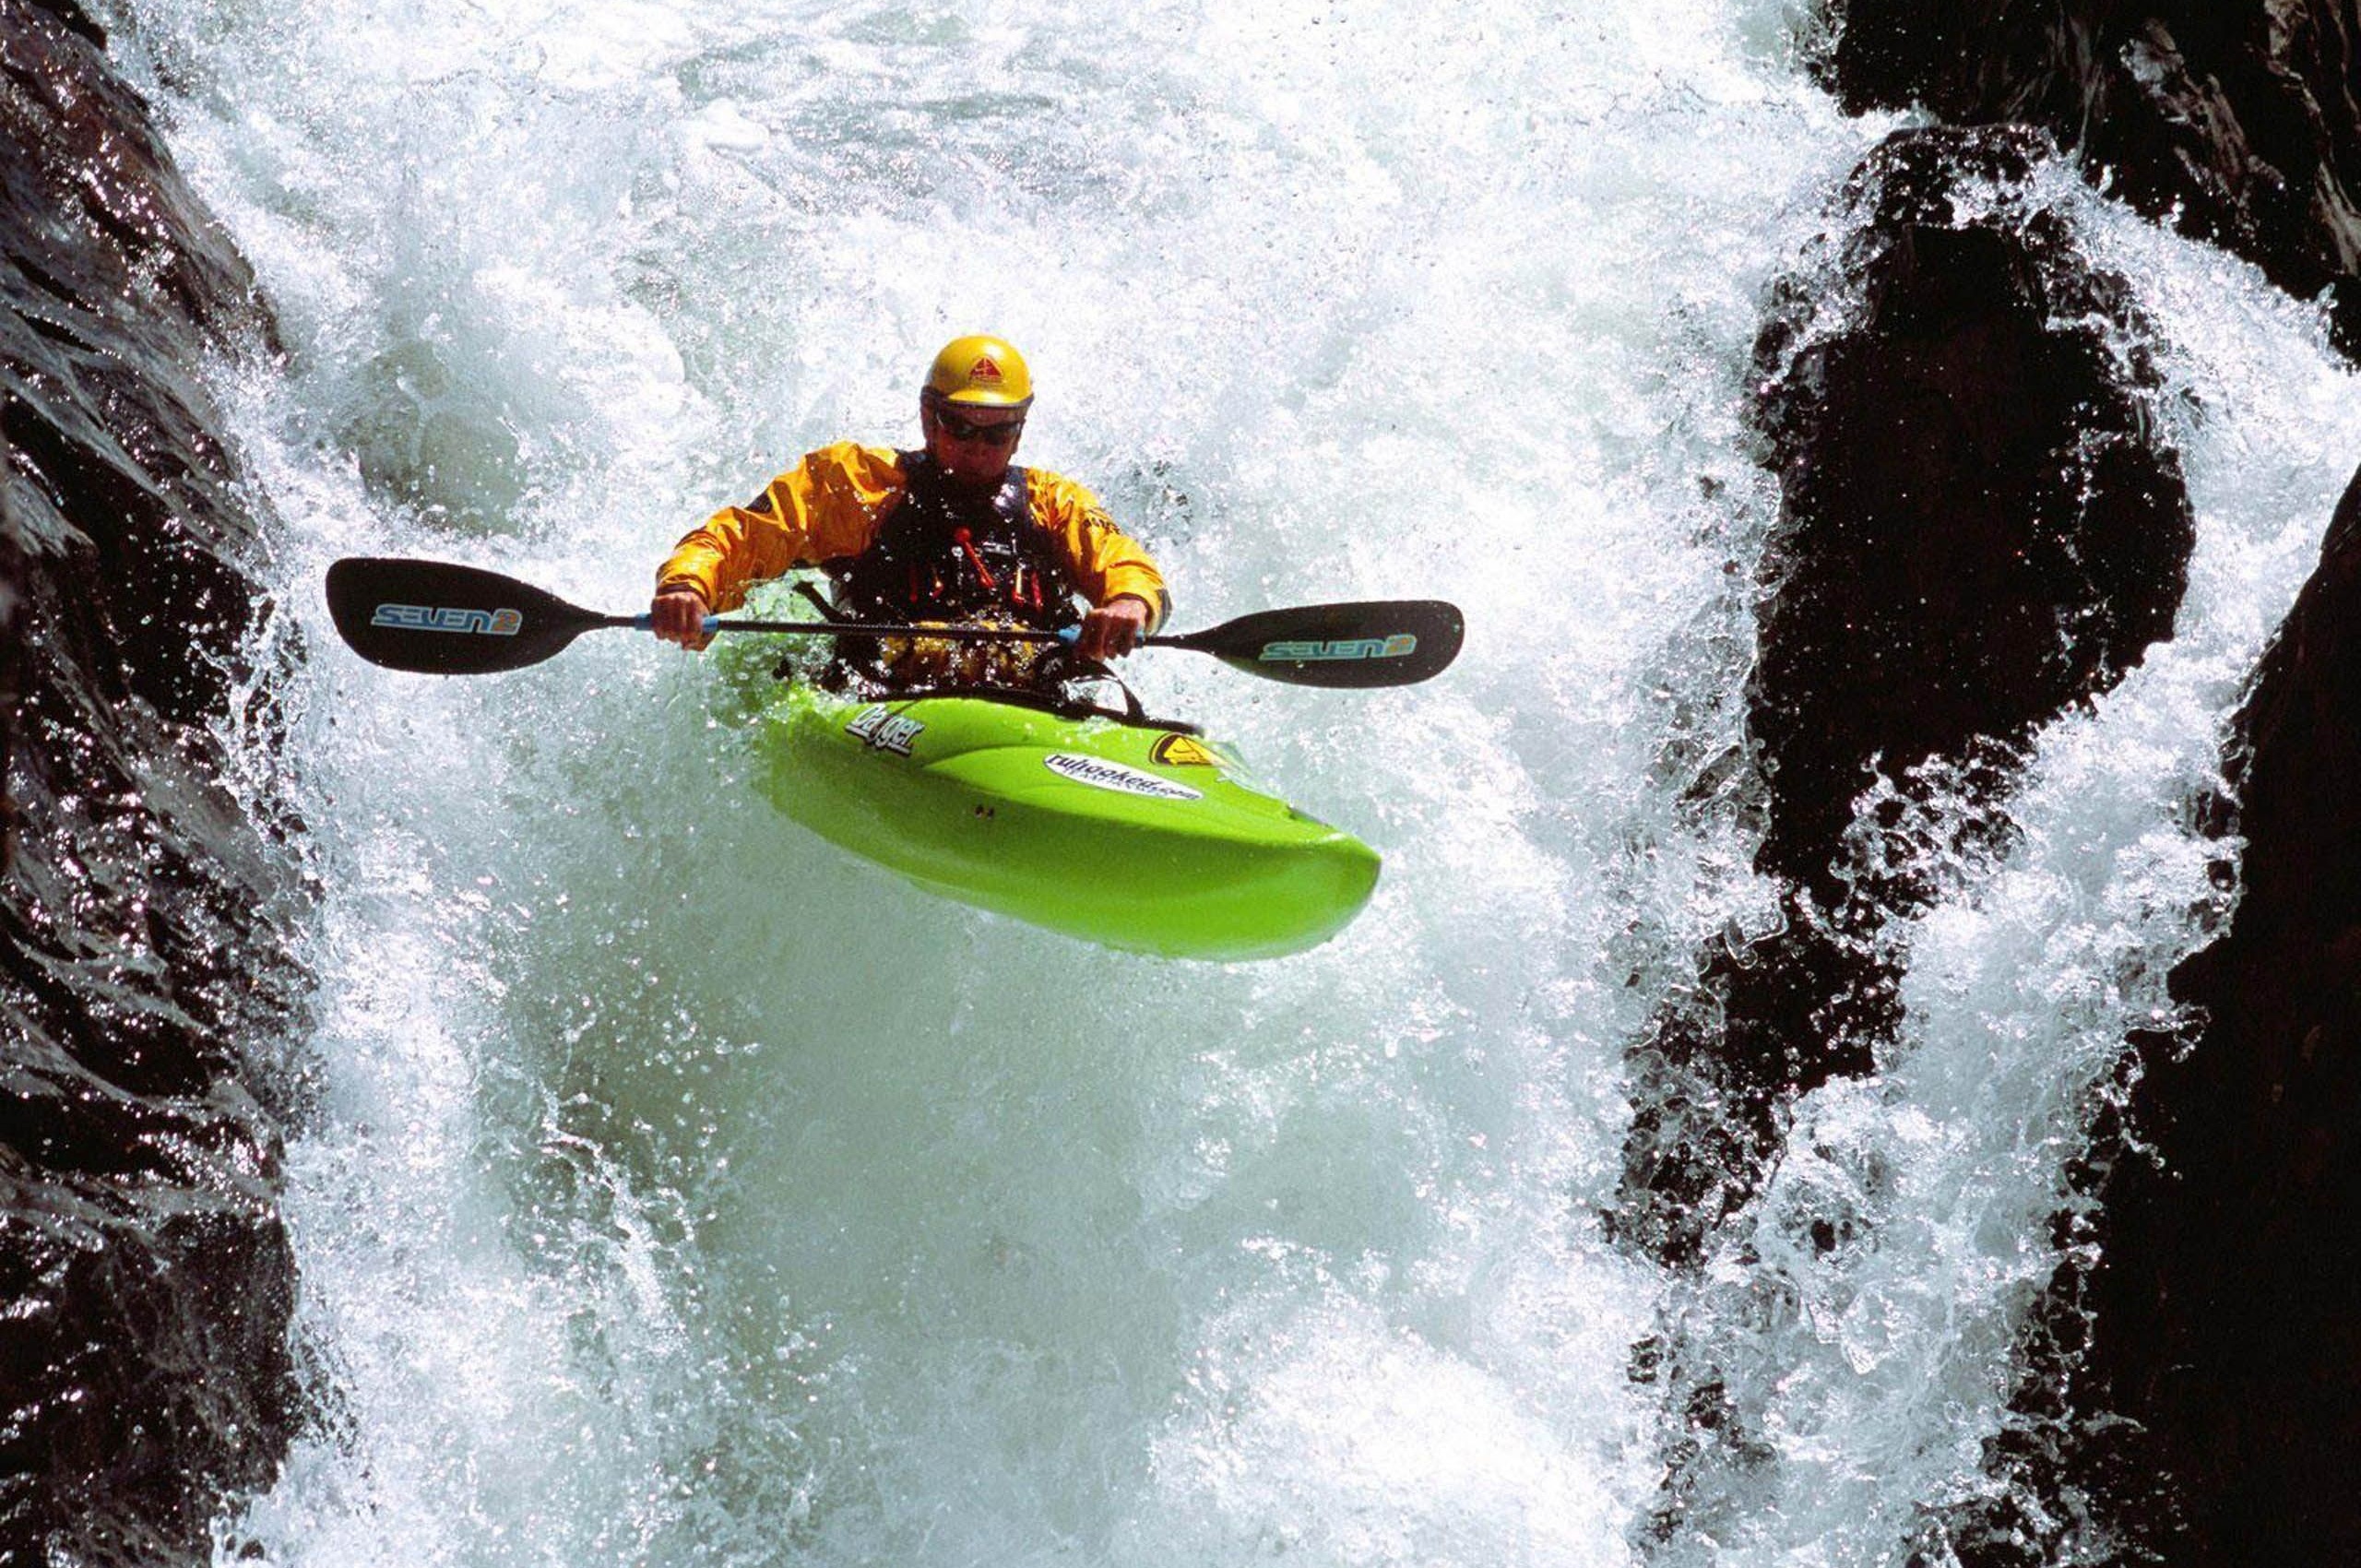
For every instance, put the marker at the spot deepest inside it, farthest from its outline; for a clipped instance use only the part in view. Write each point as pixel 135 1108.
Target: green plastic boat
pixel 1133 835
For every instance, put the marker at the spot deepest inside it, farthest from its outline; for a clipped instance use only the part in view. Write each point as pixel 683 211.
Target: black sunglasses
pixel 999 435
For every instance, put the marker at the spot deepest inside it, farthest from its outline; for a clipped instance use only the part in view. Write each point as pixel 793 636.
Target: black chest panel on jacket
pixel 949 554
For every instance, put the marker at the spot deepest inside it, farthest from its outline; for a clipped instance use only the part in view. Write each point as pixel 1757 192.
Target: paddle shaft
pixel 862 629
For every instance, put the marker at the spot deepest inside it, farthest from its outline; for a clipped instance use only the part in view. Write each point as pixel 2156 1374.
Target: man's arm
pixel 825 507
pixel 1107 567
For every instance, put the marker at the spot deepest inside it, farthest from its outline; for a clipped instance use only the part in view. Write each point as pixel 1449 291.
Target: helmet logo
pixel 984 369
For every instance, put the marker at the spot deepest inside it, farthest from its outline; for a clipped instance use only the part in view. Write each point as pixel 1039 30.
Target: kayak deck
pixel 1130 835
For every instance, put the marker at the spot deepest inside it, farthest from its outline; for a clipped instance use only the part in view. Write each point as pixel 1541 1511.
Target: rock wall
pixel 2237 120
pixel 2225 1311
pixel 1979 527
pixel 146 991
pixel 2189 1397
pixel 2194 1396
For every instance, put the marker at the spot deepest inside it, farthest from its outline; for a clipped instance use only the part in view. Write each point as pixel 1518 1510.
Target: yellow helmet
pixel 983 372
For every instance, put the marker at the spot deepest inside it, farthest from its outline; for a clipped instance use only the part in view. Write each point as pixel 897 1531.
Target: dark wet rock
pixel 1765 1020
pixel 1981 525
pixel 75 20
pixel 2195 1392
pixel 1980 528
pixel 145 987
pixel 2240 120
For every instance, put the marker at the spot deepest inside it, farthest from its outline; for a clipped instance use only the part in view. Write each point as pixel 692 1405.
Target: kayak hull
pixel 1133 837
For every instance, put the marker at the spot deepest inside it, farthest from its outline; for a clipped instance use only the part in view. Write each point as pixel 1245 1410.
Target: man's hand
pixel 1114 628
pixel 678 616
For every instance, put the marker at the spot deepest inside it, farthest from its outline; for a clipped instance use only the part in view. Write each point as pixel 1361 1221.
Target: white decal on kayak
pixel 885 730
pixel 1101 775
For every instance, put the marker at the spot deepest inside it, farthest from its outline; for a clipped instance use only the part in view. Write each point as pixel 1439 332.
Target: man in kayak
pixel 951 533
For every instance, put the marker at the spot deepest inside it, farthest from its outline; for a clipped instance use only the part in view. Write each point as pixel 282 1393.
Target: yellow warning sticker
pixel 1183 751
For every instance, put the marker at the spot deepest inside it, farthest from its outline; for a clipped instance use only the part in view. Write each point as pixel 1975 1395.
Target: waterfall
pixel 680 1191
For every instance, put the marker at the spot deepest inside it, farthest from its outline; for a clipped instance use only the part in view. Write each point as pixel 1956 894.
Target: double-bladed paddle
pixel 441 619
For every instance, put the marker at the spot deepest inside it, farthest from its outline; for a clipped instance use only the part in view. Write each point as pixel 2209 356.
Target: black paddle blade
pixel 439 619
pixel 1375 643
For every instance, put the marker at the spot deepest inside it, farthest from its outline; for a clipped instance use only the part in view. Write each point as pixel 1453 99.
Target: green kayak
pixel 1129 833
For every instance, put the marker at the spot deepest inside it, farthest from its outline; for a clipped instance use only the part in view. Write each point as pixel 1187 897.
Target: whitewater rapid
pixel 678 1191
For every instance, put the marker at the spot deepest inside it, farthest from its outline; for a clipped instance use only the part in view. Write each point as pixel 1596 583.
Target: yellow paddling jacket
pixel 834 507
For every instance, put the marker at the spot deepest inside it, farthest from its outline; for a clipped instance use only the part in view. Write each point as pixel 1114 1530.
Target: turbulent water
pixel 683 1192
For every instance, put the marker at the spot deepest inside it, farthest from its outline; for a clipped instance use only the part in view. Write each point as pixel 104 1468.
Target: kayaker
pixel 954 532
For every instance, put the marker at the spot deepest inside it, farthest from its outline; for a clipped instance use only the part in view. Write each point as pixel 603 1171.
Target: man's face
pixel 971 444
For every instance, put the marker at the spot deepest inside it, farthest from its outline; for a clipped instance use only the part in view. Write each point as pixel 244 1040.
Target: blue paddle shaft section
pixel 646 621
